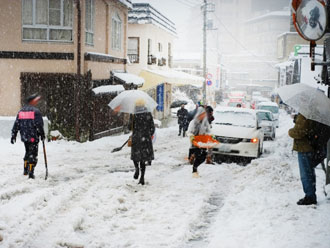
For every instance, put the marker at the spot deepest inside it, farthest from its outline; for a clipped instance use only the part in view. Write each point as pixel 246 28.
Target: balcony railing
pixel 133 58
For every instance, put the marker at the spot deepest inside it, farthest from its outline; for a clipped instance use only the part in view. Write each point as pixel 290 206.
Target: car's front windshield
pixel 235 118
pixel 264 116
pixel 272 109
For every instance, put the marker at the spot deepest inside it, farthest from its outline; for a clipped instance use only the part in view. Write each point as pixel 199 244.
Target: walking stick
pixel 45 157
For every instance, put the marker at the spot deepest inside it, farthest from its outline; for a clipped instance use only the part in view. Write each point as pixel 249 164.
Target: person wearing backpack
pixel 301 144
pixel 318 138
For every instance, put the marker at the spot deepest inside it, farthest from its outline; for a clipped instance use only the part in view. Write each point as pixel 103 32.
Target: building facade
pixel 59 49
pixel 65 36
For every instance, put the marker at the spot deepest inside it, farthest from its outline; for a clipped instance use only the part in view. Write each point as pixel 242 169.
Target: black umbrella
pixel 178 103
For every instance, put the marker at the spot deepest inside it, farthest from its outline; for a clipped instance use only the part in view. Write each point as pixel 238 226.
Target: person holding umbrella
pixel 140 105
pixel 301 144
pixel 313 107
pixel 30 124
pixel 182 115
pixel 143 128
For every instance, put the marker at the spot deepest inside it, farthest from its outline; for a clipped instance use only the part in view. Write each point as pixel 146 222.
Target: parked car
pixel 238 132
pixel 272 107
pixel 267 123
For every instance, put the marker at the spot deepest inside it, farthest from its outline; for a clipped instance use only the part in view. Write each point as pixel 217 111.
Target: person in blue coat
pixel 30 124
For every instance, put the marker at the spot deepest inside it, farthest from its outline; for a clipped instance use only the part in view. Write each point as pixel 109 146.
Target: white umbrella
pixel 310 102
pixel 133 101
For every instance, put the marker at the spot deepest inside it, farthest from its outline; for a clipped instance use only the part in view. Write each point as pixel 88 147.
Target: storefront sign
pixel 160 97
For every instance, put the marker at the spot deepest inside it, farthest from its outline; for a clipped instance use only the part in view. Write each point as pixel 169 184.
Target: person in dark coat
pixel 30 124
pixel 182 115
pixel 143 128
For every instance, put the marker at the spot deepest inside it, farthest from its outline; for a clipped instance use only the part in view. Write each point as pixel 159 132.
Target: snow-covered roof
pixel 231 109
pixel 129 78
pixel 109 89
pixel 268 104
pixel 144 13
pixel 283 13
pixel 176 74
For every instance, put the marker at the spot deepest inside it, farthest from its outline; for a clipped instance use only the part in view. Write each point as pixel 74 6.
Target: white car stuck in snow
pixel 238 132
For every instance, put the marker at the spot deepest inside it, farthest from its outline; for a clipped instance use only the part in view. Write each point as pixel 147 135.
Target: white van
pixel 272 107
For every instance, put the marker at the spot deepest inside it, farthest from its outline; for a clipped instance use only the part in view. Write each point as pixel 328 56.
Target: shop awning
pixel 128 78
pixel 154 77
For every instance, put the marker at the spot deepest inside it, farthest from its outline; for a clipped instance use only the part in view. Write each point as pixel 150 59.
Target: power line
pixel 185 3
pixel 193 2
pixel 239 43
pixel 189 3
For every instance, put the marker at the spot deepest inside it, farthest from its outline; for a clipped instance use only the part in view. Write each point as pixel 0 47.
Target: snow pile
pixel 108 89
pixel 129 78
pixel 261 209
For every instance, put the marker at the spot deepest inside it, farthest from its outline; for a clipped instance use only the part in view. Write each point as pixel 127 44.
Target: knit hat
pixel 33 97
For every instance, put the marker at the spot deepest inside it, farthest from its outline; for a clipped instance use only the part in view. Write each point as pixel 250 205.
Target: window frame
pixel 48 28
pixel 137 49
pixel 90 32
pixel 116 36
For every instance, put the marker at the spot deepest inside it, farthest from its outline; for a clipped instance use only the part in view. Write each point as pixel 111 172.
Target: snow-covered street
pixel 90 198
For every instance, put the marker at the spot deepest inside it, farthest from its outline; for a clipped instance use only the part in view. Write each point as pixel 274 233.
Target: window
pixel 47 20
pixel 151 59
pixel 169 54
pixel 89 22
pixel 116 32
pixel 160 47
pixel 133 49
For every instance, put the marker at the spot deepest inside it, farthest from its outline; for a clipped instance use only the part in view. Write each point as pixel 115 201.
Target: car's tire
pixel 259 153
pixel 274 136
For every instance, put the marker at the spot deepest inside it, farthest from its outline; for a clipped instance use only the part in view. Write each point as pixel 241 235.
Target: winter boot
pixel 31 171
pixel 307 201
pixel 136 174
pixel 184 133
pixel 26 168
pixel 143 170
pixel 195 173
pixel 209 159
pixel 192 158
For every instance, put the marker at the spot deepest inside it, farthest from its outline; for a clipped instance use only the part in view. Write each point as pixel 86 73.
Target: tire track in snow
pixel 46 203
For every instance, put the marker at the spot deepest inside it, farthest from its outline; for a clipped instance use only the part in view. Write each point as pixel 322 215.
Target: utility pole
pixel 204 49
